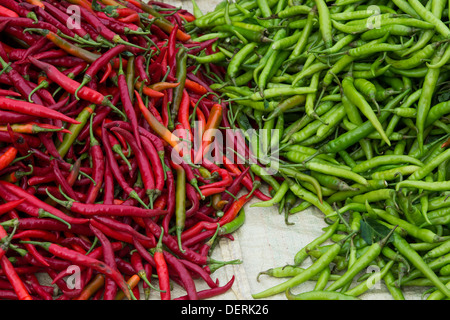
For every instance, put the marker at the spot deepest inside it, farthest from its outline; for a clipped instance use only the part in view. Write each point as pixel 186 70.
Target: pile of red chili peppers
pixel 92 176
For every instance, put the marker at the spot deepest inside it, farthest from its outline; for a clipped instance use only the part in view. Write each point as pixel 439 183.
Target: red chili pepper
pixel 20 10
pixel 18 33
pixel 78 258
pixel 226 181
pixel 183 113
pixel 71 86
pixel 156 164
pixel 4 92
pixel 34 253
pixel 92 287
pixel 196 269
pixel 50 18
pixel 114 167
pixel 148 91
pixel 94 21
pixel 209 293
pixel 192 196
pixel 101 62
pixel 34 127
pixel 246 181
pixel 109 259
pixel 106 74
pixel 136 262
pixel 199 239
pixel 39 289
pixel 101 181
pixel 96 253
pixel 139 64
pixel 61 181
pixel 200 123
pixel 5 239
pixel 127 104
pixel 5 12
pixel 6 207
pixel 159 128
pixel 33 109
pixel 67 46
pixel 171 190
pixel 147 290
pixel 17 284
pixel 197 228
pixel 143 163
pixel 105 209
pixel 171 50
pixel 123 227
pixel 118 144
pixel 98 166
pixel 7 157
pixel 162 270
pixel 75 242
pixel 161 86
pixel 228 216
pixel 214 120
pixel 210 191
pixel 82 3
pixel 183 273
pixel 234 209
pixel 187 17
pixel 36 233
pixel 124 12
pixel 40 205
pixel 185 137
pixel 161 22
pixel 13 277
pixel 153 109
pixel 195 87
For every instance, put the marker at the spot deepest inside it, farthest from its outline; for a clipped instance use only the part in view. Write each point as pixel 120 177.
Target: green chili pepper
pixel 278 196
pixel 238 58
pixel 425 99
pixel 311 271
pixel 181 73
pixel 355 97
pixel 415 259
pixel 232 226
pixel 75 129
pixel 180 204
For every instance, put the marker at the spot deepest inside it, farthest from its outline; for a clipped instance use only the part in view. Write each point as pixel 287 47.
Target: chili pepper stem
pixel 84 82
pixel 45 214
pixel 115 109
pixel 179 231
pixel 118 149
pixel 5 243
pixel 134 195
pixel 195 185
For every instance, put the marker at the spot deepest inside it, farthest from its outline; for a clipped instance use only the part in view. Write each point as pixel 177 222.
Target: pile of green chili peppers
pixel 358 92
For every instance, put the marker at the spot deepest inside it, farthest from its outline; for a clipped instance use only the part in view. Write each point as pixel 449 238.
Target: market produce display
pixel 98 192
pixel 113 173
pixel 358 91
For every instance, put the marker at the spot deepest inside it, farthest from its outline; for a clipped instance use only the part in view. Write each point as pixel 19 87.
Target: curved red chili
pixel 209 293
pixel 40 205
pixel 71 86
pixel 98 166
pixel 156 164
pixel 109 259
pixel 143 163
pixel 33 109
pixel 78 258
pixel 85 209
